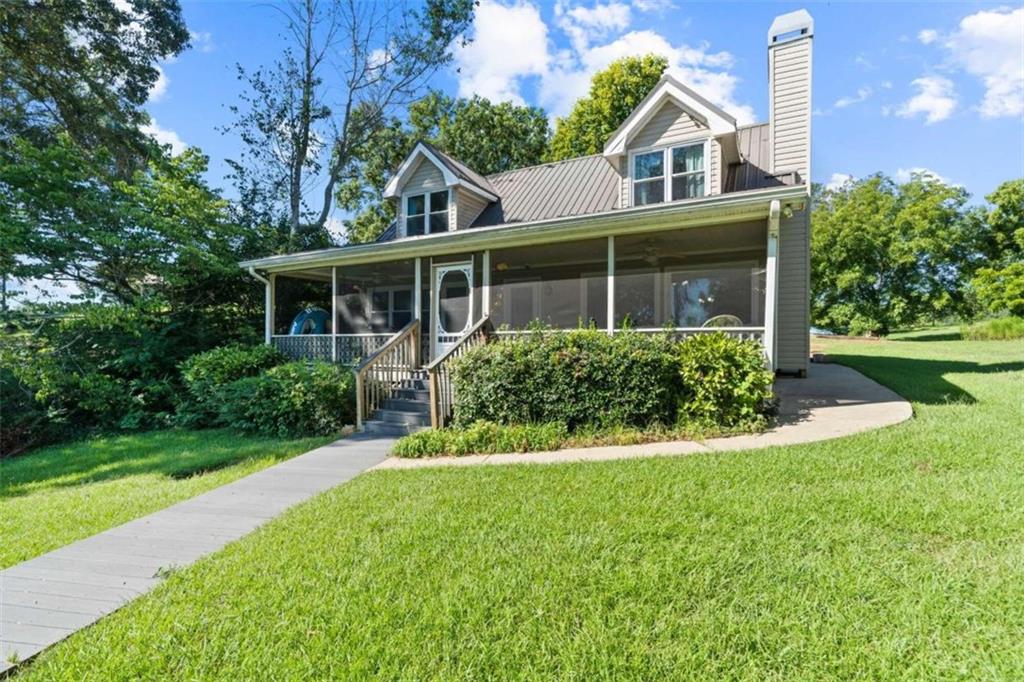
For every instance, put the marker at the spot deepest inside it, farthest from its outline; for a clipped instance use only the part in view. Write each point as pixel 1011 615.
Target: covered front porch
pixel 686 281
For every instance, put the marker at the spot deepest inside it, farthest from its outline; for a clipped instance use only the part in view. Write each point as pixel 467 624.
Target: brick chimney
pixel 789 92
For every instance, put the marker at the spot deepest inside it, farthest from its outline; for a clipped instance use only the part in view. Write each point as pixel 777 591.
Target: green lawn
pixel 63 493
pixel 890 554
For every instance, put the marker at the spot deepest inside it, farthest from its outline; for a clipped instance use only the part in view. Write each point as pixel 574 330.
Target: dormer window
pixel 426 213
pixel 686 179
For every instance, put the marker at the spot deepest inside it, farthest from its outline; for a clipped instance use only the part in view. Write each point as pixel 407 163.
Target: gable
pixel 426 176
pixel 670 124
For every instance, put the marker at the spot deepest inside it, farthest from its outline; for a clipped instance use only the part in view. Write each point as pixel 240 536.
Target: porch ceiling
pixel 708 211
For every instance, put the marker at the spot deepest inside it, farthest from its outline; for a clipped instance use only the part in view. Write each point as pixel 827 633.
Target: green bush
pixel 725 381
pixel 482 438
pixel 293 399
pixel 25 422
pixel 998 329
pixel 577 378
pixel 205 374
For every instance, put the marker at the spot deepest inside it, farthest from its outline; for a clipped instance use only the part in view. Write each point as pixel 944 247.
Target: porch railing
pixel 351 348
pixel 677 333
pixel 439 379
pixel 384 372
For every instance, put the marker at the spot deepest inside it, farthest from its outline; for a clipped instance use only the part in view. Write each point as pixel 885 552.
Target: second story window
pixel 649 178
pixel 669 174
pixel 426 213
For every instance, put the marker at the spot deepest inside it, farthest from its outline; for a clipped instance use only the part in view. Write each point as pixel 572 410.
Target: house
pixel 685 220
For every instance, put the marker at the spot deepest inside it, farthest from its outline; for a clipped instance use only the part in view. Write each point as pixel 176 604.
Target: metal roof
pixel 573 187
pixel 751 172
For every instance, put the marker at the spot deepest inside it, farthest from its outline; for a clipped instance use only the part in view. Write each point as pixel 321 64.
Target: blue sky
pixel 897 86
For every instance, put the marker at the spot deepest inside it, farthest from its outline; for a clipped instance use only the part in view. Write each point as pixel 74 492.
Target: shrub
pixel 577 378
pixel 1001 328
pixel 25 422
pixel 205 374
pixel 725 381
pixel 293 399
pixel 482 438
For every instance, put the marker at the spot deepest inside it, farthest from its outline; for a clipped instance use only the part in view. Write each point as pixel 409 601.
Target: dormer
pixel 436 193
pixel 671 147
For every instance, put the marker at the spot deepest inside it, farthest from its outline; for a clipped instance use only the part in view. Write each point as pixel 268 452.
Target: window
pixel 390 309
pixel 688 172
pixel 426 213
pixel 685 179
pixel 649 178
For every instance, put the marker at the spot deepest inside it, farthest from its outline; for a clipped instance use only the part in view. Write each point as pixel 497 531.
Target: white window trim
pixel 425 193
pixel 667 168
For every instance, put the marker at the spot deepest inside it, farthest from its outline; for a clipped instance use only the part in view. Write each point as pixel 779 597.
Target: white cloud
pixel 202 41
pixel 159 87
pixel 928 36
pixel 990 45
pixel 887 85
pixel 838 181
pixel 164 136
pixel 936 99
pixel 511 45
pixel 863 62
pixel 653 5
pixel 862 94
pixel 907 174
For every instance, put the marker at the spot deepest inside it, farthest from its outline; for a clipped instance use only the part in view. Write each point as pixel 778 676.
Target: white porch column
pixel 268 306
pixel 771 283
pixel 611 285
pixel 334 313
pixel 485 306
pixel 417 289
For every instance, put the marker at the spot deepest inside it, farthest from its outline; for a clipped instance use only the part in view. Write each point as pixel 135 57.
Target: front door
pixel 452 304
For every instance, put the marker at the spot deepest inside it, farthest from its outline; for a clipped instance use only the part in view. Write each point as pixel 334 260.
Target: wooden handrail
pixel 442 394
pixel 379 375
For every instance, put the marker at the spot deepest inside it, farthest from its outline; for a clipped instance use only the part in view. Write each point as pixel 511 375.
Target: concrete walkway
pixel 833 401
pixel 46 599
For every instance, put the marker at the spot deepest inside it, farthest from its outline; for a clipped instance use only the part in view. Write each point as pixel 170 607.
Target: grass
pixel 63 493
pixel 889 554
pixel 1000 328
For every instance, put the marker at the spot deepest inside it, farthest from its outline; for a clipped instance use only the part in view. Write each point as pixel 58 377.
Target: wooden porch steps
pixel 407 412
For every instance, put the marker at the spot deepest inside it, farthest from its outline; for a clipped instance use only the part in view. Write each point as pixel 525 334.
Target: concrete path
pixel 46 599
pixel 833 401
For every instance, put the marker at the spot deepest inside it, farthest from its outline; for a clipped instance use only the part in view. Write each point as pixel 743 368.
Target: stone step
pixel 397 417
pixel 388 429
pixel 418 395
pixel 403 405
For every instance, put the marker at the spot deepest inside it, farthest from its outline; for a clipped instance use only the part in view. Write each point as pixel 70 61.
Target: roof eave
pixel 722 208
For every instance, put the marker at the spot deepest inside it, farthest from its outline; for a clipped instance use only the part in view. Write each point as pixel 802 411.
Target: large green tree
pixel 487 137
pixel 887 255
pixel 346 69
pixel 614 94
pixel 999 282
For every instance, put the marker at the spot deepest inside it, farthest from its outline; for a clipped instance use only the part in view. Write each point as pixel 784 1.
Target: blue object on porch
pixel 310 321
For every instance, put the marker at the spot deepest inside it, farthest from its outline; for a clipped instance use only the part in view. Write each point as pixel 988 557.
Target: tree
pixel 999 284
pixel 349 67
pixel 487 137
pixel 84 68
pixel 614 94
pixel 885 255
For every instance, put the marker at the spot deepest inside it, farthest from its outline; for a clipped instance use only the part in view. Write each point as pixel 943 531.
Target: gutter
pixel 722 208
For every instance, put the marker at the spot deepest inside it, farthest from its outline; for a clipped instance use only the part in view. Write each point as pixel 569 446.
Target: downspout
pixel 772 283
pixel 268 304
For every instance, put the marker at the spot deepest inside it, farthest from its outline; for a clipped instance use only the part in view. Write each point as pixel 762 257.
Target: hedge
pixel 588 379
pixel 206 374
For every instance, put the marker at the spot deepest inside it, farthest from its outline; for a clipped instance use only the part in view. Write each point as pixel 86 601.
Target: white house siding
pixel 793 316
pixel 670 125
pixel 790 75
pixel 467 206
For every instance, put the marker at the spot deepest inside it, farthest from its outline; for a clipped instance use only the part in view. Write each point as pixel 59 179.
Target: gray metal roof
pixel 461 170
pixel 581 186
pixel 751 173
